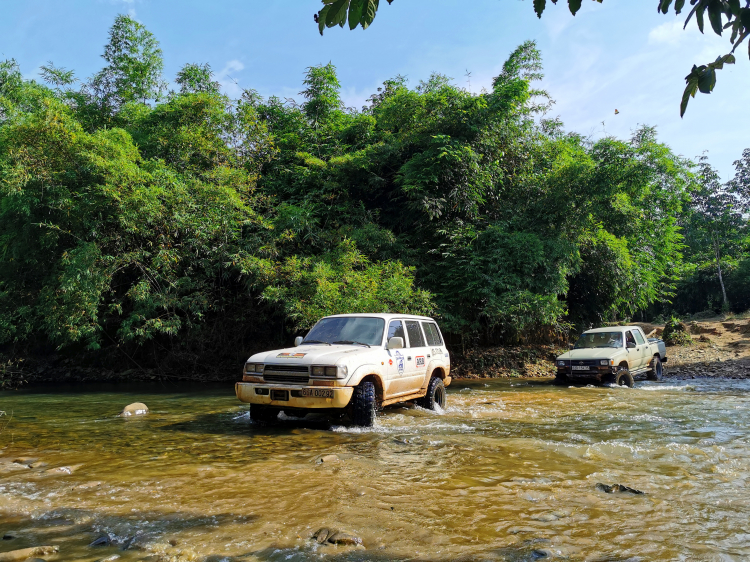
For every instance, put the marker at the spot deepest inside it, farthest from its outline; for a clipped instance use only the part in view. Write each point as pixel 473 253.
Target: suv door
pixel 396 379
pixel 635 354
pixel 416 359
pixel 643 346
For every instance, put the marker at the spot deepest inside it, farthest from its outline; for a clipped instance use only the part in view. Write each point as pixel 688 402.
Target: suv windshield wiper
pixel 352 342
pixel 315 341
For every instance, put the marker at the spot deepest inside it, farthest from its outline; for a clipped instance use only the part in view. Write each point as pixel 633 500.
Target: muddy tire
pixel 657 372
pixel 560 380
pixel 364 404
pixel 622 378
pixel 263 414
pixel 435 395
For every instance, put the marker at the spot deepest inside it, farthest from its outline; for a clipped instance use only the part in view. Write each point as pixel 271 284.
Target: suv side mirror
pixel 298 340
pixel 631 345
pixel 396 343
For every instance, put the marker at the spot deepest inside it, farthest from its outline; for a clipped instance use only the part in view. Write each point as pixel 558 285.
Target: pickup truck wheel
pixel 624 378
pixel 435 395
pixel 364 404
pixel 263 414
pixel 657 373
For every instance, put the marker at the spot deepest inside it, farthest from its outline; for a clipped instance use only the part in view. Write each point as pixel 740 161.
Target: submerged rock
pixel 616 488
pixel 104 540
pixel 332 536
pixel 134 409
pixel 26 553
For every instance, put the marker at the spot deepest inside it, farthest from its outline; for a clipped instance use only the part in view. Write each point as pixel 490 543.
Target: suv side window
pixel 432 334
pixel 629 338
pixel 639 337
pixel 415 334
pixel 395 330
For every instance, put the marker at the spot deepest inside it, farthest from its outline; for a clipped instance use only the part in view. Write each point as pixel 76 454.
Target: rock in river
pixel 25 553
pixel 335 537
pixel 614 488
pixel 134 409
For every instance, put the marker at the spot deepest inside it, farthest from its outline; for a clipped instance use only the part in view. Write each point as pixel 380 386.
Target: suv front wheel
pixel 621 378
pixel 363 404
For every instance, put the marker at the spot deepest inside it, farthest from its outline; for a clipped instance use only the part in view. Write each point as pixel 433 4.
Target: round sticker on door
pixel 390 361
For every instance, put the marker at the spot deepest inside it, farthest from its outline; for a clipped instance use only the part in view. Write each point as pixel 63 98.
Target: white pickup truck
pixel 612 356
pixel 353 364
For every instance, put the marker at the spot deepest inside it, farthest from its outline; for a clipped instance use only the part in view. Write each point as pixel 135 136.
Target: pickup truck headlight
pixel 561 363
pixel 330 372
pixel 603 362
pixel 253 367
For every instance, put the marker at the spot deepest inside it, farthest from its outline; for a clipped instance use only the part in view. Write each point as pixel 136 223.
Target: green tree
pixel 134 67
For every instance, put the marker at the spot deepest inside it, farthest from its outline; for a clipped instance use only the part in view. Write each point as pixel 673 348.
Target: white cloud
pixel 670 33
pixel 227 78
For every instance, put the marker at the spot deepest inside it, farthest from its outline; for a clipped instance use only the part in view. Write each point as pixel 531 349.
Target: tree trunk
pixel 721 279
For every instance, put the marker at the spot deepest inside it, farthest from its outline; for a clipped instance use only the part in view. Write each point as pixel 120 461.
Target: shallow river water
pixel 507 472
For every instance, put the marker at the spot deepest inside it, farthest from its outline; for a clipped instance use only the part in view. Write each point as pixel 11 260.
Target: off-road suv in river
pixel 612 356
pixel 353 364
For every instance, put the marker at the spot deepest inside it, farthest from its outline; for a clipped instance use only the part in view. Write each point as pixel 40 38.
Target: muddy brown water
pixel 507 472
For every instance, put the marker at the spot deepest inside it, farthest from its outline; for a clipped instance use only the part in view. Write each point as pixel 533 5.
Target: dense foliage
pixel 183 229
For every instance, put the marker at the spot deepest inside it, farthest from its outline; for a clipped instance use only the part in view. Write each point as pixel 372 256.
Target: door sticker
pixel 437 351
pixel 420 360
pixel 400 362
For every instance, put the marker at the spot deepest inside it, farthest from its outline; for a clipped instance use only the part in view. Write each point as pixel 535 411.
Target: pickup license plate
pixel 317 392
pixel 580 368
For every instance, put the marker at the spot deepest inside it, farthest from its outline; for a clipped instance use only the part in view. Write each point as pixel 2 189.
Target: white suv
pixel 350 363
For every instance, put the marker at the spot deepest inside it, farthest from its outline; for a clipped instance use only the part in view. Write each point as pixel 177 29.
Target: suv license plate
pixel 579 368
pixel 317 392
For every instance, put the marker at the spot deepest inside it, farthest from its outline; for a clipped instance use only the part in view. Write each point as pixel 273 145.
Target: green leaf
pixel 322 14
pixel 734 7
pixel 714 16
pixel 690 90
pixel 539 6
pixel 355 12
pixel 574 6
pixel 678 6
pixel 337 13
pixel 699 16
pixel 707 81
pixel 368 14
pixel 745 18
pixel 664 6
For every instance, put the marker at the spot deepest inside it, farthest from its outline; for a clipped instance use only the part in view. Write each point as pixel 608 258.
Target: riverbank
pixel 720 348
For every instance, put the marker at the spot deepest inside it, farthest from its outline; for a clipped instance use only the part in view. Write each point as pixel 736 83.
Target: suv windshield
pixel 354 330
pixel 599 339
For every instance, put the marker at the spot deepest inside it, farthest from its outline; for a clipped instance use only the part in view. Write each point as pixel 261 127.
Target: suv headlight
pixel 603 362
pixel 330 372
pixel 561 363
pixel 254 367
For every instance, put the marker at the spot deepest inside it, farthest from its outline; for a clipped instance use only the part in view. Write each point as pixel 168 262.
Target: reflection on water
pixel 507 472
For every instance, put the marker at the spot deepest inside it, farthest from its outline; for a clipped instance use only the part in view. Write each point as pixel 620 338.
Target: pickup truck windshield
pixel 350 329
pixel 599 339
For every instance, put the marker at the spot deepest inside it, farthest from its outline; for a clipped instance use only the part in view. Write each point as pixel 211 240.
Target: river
pixel 507 472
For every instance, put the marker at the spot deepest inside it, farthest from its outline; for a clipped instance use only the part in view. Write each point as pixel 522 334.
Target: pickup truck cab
pixel 350 364
pixel 612 355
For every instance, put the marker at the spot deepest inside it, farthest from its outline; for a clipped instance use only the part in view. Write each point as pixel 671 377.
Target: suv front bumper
pixel 268 394
pixel 594 372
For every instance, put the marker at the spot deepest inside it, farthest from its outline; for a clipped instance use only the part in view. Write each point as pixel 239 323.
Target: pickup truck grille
pixel 287 374
pixel 589 362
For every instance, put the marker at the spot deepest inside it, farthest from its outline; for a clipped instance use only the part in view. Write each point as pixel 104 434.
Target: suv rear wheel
pixel 435 395
pixel 657 372
pixel 364 404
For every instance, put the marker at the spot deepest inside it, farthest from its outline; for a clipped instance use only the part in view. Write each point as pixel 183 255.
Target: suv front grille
pixel 288 374
pixel 589 362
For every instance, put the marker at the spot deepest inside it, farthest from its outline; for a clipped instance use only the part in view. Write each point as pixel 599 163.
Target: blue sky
pixel 617 55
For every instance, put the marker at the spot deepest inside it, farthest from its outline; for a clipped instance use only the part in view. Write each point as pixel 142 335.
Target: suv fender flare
pixel 375 371
pixel 434 369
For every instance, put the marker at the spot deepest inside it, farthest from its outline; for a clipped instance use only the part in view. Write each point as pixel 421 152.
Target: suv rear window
pixel 432 333
pixel 415 334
